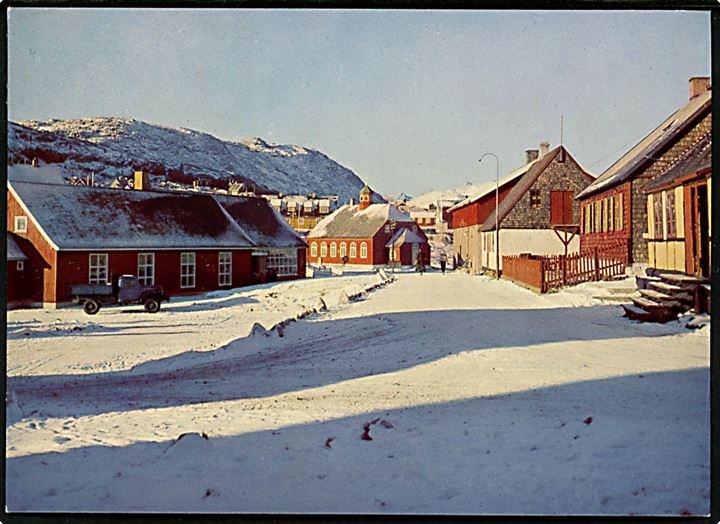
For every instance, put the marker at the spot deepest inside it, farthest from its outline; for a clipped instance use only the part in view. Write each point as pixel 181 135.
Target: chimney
pixel 141 181
pixel 530 155
pixel 544 148
pixel 698 85
pixel 365 197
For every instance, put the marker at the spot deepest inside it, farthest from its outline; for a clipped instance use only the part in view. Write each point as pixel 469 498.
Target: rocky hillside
pixel 110 147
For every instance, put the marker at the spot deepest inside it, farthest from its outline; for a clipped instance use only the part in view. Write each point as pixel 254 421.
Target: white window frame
pixel 323 250
pixel 225 268
pixel 20 265
pixel 187 270
pixel 333 250
pixel 97 268
pixel 146 269
pixel 284 261
pixel 21 223
pixel 313 249
pixel 343 249
pixel 353 250
pixel 363 250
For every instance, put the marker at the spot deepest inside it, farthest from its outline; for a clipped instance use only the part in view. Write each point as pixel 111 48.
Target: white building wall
pixel 517 241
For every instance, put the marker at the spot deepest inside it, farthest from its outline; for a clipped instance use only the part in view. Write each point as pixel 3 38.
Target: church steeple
pixel 365 197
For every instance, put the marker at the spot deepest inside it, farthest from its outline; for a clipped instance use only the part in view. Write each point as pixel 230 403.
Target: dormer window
pixel 21 224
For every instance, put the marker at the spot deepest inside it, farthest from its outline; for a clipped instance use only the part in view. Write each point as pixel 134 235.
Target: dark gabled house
pixel 533 200
pixel 186 242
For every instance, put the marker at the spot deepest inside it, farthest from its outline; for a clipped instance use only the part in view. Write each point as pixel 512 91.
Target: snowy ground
pixel 431 394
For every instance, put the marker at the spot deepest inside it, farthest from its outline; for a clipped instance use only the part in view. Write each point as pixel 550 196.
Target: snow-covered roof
pixel 349 221
pixel 13 249
pixel 490 186
pixel 81 218
pixel 260 222
pixel 47 174
pixel 645 150
pixel 404 236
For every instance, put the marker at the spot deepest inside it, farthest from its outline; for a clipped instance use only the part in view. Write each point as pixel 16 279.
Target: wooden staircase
pixel 665 296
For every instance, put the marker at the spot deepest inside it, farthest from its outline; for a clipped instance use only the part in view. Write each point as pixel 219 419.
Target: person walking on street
pixel 443 260
pixel 419 263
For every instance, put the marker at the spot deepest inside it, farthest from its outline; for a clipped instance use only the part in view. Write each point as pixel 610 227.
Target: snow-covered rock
pixel 112 147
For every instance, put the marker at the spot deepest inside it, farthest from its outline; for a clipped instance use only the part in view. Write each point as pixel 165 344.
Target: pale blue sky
pixel 407 99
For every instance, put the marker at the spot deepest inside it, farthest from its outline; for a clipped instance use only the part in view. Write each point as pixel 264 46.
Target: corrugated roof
pixel 350 222
pixel 13 249
pixel 635 158
pixel 100 218
pixel 524 184
pixel 695 159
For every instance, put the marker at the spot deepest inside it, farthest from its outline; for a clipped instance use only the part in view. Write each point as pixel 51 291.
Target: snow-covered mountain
pixel 109 147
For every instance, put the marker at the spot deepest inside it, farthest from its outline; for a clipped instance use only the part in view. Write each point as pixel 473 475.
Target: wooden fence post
pixel 597 263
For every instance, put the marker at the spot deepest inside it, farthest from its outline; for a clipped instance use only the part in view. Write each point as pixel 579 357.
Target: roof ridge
pixel 232 221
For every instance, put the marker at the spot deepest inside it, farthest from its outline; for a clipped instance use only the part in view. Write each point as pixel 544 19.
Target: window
pixel 363 250
pixel 353 250
pixel 333 250
pixel 283 261
pixel 670 222
pixel 535 201
pixel 20 265
pixel 98 268
pixel 146 269
pixel 343 249
pixel 387 228
pixel 187 270
pixel 224 268
pixel 657 216
pixel 609 207
pixel 323 249
pixel 618 212
pixel 313 249
pixel 21 224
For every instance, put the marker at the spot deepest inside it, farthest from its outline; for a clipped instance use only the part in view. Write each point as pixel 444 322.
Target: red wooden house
pixel 614 207
pixel 186 242
pixel 367 235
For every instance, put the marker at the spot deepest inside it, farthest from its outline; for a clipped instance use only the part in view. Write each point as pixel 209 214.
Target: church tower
pixel 365 197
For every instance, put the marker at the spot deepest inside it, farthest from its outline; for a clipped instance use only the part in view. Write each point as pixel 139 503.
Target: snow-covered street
pixel 427 394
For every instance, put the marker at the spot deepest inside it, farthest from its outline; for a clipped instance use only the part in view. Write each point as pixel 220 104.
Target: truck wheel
pixel 152 305
pixel 91 307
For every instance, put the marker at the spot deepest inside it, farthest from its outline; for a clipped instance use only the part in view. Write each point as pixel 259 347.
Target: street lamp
pixel 497 202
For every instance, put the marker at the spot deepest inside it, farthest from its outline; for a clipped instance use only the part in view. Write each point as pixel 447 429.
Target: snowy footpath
pixel 432 393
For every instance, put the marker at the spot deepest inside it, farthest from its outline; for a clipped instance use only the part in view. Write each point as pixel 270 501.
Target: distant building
pixel 614 207
pixel 533 201
pixel 186 242
pixel 303 212
pixel 367 235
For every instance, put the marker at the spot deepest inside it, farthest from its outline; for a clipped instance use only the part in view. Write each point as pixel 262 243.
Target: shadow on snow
pixel 318 353
pixel 525 453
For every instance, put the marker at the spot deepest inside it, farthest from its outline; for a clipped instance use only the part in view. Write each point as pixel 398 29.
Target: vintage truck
pixel 123 290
